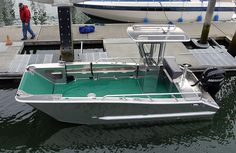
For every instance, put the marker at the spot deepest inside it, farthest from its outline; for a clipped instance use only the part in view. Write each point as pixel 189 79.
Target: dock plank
pixel 194 29
pixel 116 44
pixel 24 62
pixel 19 63
pixel 228 28
pixel 48 58
pixel 93 57
pixel 15 32
pixel 3 47
pixel 39 59
pixel 214 57
pixel 32 59
pixel 55 58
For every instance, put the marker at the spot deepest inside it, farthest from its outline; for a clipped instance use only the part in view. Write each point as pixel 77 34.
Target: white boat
pixel 123 90
pixel 156 10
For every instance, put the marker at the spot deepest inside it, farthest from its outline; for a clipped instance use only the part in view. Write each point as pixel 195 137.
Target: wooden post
pixel 232 46
pixel 207 22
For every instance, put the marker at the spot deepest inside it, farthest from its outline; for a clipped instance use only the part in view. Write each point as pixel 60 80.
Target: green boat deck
pixel 101 87
pixel 36 84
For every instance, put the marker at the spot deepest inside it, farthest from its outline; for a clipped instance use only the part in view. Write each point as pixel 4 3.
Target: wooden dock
pixel 116 43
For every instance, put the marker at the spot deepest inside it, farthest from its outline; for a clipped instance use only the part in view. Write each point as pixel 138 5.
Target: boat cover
pixel 86 29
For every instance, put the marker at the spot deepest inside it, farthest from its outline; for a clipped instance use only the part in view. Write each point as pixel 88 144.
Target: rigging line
pixel 219 2
pixel 235 6
pixel 164 12
pixel 147 9
pixel 234 1
pixel 182 12
pixel 201 6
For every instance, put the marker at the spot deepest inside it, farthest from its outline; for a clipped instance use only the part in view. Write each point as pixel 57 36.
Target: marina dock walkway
pixel 116 44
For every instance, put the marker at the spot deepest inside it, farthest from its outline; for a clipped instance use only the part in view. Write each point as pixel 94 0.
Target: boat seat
pixel 172 67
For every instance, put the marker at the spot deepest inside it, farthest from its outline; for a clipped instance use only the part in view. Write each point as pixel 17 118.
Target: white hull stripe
pixel 128 117
pixel 153 8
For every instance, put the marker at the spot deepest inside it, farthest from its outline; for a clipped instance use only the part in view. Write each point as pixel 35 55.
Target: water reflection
pixel 120 136
pixel 26 129
pixel 224 121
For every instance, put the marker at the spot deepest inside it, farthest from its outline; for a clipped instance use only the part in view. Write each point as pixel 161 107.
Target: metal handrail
pixel 154 27
pixel 157 34
pixel 163 38
pixel 151 94
pixel 121 59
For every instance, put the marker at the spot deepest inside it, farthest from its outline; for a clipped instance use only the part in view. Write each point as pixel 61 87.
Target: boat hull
pixel 113 100
pixel 123 112
pixel 154 12
pixel 153 17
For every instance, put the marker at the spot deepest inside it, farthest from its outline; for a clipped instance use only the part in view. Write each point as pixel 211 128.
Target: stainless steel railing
pixel 148 95
pixel 122 60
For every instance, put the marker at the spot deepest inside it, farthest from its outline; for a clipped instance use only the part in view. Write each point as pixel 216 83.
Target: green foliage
pixel 39 14
pixel 7 13
pixel 1 16
pixel 78 17
pixel 42 16
pixel 35 13
pixel 35 17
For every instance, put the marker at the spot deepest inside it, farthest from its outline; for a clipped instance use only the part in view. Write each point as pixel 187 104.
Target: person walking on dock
pixel 25 19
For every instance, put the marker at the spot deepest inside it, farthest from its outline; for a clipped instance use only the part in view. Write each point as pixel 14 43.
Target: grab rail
pixel 124 60
pixel 154 27
pixel 124 96
pixel 160 38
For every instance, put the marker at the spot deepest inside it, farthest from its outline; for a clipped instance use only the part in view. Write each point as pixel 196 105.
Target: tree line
pixel 7 13
pixel 38 14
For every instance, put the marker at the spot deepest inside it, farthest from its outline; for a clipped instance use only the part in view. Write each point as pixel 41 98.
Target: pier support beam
pixel 232 46
pixel 66 39
pixel 207 22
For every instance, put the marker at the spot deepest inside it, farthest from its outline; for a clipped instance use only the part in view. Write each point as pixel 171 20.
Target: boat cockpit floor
pixel 108 86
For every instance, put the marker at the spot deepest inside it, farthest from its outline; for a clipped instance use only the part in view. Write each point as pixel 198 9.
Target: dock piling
pixel 207 22
pixel 232 46
pixel 66 39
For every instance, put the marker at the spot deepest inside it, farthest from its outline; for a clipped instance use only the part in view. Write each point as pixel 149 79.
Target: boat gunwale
pixel 61 65
pixel 92 100
pixel 106 98
pixel 58 98
pixel 119 96
pixel 168 101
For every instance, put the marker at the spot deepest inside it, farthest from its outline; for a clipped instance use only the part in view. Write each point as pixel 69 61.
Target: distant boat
pixel 156 10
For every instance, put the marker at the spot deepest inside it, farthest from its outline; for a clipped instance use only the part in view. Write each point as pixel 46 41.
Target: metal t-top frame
pixel 155 34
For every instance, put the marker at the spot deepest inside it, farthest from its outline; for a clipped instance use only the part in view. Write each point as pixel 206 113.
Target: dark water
pixel 24 129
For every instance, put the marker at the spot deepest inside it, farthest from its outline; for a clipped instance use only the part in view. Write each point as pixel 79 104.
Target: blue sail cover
pixel 86 29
